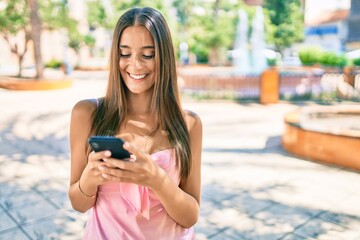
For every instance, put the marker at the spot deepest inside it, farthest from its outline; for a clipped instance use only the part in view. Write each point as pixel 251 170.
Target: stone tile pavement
pixel 251 187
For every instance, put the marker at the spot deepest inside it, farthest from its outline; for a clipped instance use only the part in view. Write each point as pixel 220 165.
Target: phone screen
pixel 113 144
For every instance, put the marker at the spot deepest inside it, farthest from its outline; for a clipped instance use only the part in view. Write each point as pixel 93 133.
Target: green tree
pixel 284 23
pixel 163 6
pixel 14 21
pixel 121 6
pixel 97 16
pixel 28 18
pixel 209 27
pixel 183 18
pixel 55 16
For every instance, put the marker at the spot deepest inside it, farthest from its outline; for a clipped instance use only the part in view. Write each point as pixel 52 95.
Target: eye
pixel 124 55
pixel 149 56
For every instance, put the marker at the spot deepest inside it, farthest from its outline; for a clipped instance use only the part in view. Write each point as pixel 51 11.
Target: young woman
pixel 156 193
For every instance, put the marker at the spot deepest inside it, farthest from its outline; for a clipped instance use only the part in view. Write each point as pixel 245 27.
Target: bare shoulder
pixel 84 108
pixel 193 120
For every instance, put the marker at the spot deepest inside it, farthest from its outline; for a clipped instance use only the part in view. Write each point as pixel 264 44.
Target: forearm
pixel 82 197
pixel 181 206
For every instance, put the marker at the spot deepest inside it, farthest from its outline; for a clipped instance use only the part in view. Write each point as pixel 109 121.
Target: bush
pixel 341 61
pixel 356 62
pixel 53 64
pixel 309 55
pixel 89 40
pixel 332 59
pixel 271 61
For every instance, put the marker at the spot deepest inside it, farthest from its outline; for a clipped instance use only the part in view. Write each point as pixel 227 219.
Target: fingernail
pixel 126 144
pixel 107 153
pixel 101 168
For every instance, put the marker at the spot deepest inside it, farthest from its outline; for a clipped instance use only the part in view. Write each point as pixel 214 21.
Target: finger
pixel 117 172
pixel 97 156
pixel 107 172
pixel 97 175
pixel 115 178
pixel 139 154
pixel 120 164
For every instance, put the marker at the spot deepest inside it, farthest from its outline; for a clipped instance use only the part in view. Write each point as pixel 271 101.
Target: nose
pixel 137 63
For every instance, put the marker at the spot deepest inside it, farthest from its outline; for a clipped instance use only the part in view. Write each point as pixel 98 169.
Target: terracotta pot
pixel 270 86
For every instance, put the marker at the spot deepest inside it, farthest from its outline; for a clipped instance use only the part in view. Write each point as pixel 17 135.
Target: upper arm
pixel 192 185
pixel 80 128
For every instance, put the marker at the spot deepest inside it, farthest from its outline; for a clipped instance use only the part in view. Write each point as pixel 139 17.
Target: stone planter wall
pixel 13 83
pixel 316 143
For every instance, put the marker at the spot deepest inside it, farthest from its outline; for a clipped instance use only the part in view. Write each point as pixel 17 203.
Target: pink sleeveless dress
pixel 129 211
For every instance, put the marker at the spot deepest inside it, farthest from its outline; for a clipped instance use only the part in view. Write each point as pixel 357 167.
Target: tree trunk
pixel 214 59
pixel 35 23
pixel 216 9
pixel 15 50
pixel 20 60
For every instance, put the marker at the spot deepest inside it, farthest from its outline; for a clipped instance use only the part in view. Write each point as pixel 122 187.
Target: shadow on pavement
pixel 243 197
pixel 34 158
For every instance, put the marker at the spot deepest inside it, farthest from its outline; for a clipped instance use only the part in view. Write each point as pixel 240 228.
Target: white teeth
pixel 137 76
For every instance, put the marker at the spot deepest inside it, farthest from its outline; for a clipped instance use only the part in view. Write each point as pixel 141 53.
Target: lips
pixel 137 76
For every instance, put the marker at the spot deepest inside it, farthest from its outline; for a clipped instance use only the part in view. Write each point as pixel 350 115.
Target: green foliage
pixel 54 14
pixel 89 40
pixel 127 4
pixel 356 62
pixel 14 18
pixel 75 44
pixel 206 26
pixel 53 64
pixel 284 22
pixel 309 55
pixel 97 16
pixel 182 9
pixel 271 61
pixel 121 6
pixel 332 59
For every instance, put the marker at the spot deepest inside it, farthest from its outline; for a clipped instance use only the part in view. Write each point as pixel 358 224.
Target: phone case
pixel 113 144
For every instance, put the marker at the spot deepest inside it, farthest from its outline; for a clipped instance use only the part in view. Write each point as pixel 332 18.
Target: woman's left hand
pixel 143 170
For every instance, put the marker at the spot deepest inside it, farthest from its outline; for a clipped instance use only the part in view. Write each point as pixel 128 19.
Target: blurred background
pixel 275 82
pixel 238 39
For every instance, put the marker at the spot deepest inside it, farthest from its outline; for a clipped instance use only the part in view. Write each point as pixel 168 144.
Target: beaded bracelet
pixel 89 196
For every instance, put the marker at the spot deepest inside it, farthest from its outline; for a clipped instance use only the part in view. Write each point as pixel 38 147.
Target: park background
pixel 304 39
pixel 275 83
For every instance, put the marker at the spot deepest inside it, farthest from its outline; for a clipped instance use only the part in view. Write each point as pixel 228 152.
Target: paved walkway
pixel 252 188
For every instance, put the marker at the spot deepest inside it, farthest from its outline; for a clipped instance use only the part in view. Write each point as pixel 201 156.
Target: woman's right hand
pixel 91 177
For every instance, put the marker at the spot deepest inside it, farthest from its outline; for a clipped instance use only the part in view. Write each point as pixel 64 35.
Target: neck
pixel 139 104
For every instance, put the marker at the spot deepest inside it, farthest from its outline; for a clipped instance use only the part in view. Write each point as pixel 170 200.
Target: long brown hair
pixel 165 102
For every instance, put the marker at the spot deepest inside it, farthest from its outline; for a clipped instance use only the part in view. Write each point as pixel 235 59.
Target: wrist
pixel 161 178
pixel 86 189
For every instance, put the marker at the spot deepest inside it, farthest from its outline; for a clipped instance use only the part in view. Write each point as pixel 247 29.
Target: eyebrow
pixel 145 47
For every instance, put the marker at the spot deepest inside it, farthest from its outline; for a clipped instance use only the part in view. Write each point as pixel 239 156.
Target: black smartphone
pixel 113 144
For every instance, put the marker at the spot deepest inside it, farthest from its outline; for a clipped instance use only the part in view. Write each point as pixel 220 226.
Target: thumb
pixel 139 154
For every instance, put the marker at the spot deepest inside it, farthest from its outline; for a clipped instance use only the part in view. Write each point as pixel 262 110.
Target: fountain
pixel 258 58
pixel 255 62
pixel 241 53
pixel 243 78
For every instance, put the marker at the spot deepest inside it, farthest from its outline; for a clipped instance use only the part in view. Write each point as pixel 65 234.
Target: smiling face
pixel 137 59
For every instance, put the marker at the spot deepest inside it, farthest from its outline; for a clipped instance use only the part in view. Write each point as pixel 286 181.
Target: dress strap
pixel 96 100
